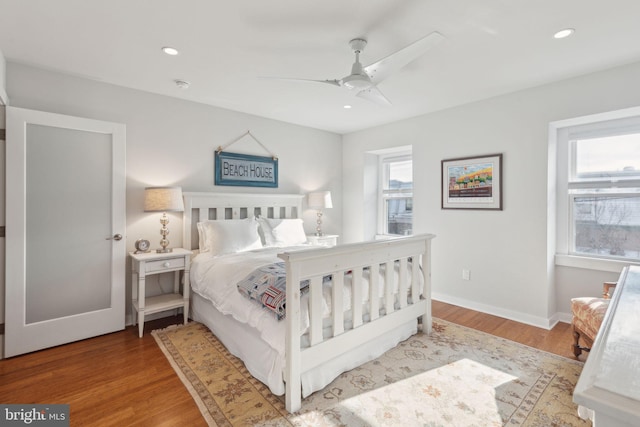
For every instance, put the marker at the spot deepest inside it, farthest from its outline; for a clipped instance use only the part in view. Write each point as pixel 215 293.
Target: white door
pixel 65 218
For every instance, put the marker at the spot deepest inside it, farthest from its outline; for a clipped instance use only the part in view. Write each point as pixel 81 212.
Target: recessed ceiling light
pixel 182 84
pixel 346 107
pixel 170 50
pixel 564 33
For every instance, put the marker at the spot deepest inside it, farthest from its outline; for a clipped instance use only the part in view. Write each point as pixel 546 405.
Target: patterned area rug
pixel 456 377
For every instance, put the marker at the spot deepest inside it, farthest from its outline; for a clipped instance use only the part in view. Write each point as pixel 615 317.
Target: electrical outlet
pixel 466 274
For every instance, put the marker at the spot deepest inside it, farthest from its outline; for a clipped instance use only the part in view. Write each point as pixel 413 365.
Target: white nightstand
pixel 145 264
pixel 324 240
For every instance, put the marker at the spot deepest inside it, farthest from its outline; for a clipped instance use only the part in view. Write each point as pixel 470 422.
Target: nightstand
pixel 324 240
pixel 145 264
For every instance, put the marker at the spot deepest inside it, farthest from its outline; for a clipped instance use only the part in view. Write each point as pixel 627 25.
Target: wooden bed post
pixel 293 370
pixel 426 272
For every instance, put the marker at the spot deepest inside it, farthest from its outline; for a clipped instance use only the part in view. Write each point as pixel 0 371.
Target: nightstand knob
pixel 166 264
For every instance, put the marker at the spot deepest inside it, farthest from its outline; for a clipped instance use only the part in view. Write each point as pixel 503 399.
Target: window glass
pixel 604 195
pixel 399 175
pixel 397 196
pixel 612 156
pixel 399 216
pixel 607 225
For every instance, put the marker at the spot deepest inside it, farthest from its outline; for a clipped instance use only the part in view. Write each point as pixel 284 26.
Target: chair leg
pixel 577 350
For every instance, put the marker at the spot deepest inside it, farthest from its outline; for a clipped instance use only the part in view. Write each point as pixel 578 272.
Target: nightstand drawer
pixel 164 264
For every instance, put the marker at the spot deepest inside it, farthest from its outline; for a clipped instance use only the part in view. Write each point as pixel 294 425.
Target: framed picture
pixel 245 170
pixel 472 182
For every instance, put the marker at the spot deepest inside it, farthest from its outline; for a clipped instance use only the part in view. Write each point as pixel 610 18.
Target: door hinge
pixel 2 230
pixel 3 134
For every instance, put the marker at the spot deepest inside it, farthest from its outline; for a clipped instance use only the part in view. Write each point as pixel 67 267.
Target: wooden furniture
pixel 324 240
pixel 145 264
pixel 608 390
pixel 588 314
pixel 314 264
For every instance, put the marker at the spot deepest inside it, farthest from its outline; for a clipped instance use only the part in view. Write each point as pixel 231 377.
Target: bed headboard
pixel 220 206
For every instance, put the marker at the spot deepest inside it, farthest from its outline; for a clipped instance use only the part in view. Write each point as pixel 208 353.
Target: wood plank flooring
pixel 120 380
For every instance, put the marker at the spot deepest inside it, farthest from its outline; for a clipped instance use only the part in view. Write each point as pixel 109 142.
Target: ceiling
pixel 491 47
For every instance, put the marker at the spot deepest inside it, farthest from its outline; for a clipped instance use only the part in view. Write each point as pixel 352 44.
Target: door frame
pixel 19 336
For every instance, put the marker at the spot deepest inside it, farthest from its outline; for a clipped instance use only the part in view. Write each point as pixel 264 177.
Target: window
pixel 599 192
pixel 395 210
pixel 604 196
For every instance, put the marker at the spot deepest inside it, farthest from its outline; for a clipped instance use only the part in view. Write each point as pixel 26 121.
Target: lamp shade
pixel 163 199
pixel 320 200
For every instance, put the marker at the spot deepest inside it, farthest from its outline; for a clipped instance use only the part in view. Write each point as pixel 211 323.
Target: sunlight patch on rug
pixel 460 392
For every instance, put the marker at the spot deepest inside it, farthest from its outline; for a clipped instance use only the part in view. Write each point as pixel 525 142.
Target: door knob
pixel 115 237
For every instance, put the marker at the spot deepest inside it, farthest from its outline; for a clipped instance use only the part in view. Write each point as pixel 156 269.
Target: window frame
pixel 384 160
pixel 563 137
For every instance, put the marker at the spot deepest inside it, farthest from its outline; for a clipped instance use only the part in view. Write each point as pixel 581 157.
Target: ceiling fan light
pixel 564 33
pixel 170 50
pixel 356 82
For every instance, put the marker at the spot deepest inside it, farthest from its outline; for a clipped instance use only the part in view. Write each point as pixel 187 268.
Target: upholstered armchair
pixel 588 313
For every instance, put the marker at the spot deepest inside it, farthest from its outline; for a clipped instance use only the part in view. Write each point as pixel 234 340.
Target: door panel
pixel 65 202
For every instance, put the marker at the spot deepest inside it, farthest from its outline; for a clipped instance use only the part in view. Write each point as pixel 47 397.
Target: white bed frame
pixel 314 264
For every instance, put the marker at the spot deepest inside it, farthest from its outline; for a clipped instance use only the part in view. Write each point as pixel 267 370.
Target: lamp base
pixel 164 250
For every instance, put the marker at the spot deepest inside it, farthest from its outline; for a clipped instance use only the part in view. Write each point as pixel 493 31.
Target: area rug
pixel 456 376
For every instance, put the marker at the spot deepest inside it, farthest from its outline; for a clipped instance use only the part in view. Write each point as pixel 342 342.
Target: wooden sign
pixel 245 170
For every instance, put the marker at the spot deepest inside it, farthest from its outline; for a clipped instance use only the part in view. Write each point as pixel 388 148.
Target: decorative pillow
pixel 282 232
pixel 229 236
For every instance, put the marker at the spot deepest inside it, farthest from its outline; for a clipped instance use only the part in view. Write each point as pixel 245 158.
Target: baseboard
pixel 540 322
pixel 564 317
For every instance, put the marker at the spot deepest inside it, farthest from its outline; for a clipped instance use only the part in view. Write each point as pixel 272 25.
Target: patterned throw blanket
pixel 268 286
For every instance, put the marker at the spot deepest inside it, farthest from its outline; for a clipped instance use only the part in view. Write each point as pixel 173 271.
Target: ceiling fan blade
pixel 373 94
pixel 378 71
pixel 331 82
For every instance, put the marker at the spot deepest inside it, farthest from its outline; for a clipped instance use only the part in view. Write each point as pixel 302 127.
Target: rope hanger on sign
pixel 222 148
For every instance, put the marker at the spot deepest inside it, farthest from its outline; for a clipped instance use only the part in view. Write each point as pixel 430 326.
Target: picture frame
pixel 472 182
pixel 245 170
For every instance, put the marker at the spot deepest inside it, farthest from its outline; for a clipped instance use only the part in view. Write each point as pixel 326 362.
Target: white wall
pixel 507 251
pixel 172 142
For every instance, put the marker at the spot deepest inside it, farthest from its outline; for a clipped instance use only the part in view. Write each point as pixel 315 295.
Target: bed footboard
pixel 402 267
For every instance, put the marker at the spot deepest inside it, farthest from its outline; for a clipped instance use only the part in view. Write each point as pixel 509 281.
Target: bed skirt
pixel 267 365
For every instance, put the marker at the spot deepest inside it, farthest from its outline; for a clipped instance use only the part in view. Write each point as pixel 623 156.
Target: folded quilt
pixel 267 285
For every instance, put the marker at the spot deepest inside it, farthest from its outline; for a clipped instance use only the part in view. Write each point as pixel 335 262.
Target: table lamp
pixel 320 200
pixel 163 199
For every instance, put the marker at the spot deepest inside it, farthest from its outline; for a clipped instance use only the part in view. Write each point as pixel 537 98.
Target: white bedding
pixel 215 278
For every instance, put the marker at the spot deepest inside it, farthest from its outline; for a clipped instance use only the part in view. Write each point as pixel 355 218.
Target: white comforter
pixel 216 278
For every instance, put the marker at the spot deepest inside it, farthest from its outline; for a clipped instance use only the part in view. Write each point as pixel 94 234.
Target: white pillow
pixel 229 236
pixel 282 232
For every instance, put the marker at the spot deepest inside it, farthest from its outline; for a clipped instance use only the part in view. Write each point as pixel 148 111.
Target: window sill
pixel 611 265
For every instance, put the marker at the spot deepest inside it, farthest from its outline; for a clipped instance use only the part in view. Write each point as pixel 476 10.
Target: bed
pixel 328 322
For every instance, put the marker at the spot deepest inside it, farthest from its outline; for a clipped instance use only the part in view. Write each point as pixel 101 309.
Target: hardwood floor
pixel 119 379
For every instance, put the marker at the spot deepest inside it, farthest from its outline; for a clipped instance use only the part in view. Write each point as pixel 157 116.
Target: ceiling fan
pixel 363 81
